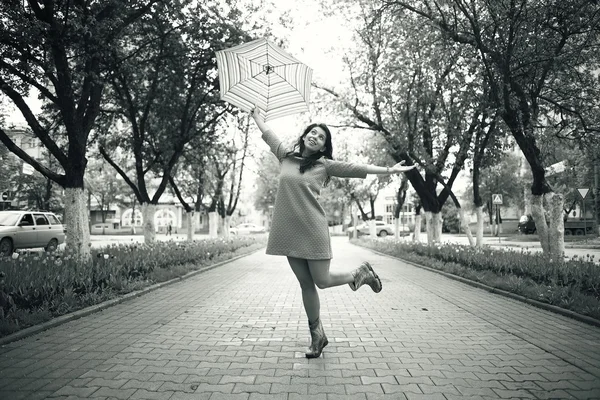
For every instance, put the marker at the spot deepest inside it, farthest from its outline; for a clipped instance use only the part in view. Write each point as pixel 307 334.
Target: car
pixel 246 228
pixel 29 229
pixel 381 229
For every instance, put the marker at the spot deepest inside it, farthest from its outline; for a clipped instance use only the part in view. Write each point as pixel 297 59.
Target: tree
pixel 58 50
pixel 539 59
pixel 167 95
pixel 425 106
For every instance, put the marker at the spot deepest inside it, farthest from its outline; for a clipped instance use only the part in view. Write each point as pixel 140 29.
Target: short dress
pixel 299 226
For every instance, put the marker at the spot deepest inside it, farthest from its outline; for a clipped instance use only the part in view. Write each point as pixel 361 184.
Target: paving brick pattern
pixel 239 332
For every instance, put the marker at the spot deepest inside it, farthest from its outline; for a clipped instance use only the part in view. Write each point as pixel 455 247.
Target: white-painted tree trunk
pixel 465 225
pixel 372 229
pixel 480 225
pixel 428 227
pixel 438 220
pixel 434 227
pixel 550 225
pixel 189 225
pixel 213 224
pixel 226 222
pixel 397 228
pixel 417 232
pixel 76 223
pixel 148 212
pixel 527 200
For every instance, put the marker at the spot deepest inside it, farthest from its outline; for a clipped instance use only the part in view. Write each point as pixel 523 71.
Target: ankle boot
pixel 318 339
pixel 365 275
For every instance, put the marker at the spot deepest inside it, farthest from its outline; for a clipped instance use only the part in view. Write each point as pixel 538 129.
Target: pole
pixel 498 222
pixel 596 193
pixel 584 216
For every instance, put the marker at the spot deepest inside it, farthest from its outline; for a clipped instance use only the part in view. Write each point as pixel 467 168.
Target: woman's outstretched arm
pixel 255 113
pixel 269 136
pixel 396 169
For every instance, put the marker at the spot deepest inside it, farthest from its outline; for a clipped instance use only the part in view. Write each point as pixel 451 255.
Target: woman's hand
pixel 255 113
pixel 400 167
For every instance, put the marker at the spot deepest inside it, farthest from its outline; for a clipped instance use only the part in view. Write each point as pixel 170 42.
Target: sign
pixel 556 168
pixel 4 196
pixel 583 192
pixel 27 169
pixel 497 198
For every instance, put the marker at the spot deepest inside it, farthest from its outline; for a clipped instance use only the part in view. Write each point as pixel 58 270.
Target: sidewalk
pixel 239 332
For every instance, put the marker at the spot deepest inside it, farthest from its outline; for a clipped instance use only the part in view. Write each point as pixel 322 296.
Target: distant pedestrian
pixel 299 228
pixel 169 229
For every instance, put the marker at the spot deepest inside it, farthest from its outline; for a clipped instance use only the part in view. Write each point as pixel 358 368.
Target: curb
pixel 32 330
pixel 538 304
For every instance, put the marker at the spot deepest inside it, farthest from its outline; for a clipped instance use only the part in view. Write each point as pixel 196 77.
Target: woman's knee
pixel 322 283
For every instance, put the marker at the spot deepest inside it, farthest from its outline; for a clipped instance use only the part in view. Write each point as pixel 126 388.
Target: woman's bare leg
pixel 323 278
pixel 310 297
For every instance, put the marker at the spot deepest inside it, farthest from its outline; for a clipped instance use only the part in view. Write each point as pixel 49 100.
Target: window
pixel 389 208
pixel 28 219
pixel 40 219
pixel 137 218
pixel 53 219
pixel 164 217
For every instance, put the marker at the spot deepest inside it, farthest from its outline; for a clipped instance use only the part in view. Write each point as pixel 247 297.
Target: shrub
pixel 56 283
pixel 572 283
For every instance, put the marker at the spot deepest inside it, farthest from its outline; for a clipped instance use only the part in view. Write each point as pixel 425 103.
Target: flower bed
pixel 35 287
pixel 573 284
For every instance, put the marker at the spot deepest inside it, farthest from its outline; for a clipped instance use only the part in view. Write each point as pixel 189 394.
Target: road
pixel 505 243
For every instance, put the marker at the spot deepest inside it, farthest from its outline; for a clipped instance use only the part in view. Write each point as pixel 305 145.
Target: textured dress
pixel 299 225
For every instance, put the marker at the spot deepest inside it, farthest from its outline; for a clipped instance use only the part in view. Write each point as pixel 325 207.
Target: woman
pixel 299 227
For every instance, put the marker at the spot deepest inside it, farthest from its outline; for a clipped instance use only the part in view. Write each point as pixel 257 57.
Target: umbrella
pixel 262 74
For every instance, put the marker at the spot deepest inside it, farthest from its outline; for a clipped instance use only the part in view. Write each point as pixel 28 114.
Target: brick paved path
pixel 239 331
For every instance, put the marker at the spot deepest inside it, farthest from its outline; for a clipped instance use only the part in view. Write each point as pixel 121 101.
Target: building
pixel 28 142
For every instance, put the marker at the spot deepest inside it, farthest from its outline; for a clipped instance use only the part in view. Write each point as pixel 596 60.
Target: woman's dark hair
pixel 310 161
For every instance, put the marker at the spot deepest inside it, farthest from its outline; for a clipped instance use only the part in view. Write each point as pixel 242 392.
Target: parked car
pixel 245 229
pixel 573 226
pixel 381 229
pixel 110 227
pixel 29 229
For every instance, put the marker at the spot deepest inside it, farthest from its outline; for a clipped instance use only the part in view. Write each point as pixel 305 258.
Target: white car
pixel 381 229
pixel 29 229
pixel 246 229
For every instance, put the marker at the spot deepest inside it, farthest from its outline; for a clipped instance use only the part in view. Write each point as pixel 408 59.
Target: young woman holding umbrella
pixel 299 227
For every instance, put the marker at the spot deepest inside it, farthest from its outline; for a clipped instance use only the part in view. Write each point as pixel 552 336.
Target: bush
pixel 51 284
pixel 573 284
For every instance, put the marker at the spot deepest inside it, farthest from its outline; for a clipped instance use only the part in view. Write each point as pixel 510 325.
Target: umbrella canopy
pixel 262 74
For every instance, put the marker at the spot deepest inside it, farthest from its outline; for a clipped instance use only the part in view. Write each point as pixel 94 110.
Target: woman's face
pixel 314 140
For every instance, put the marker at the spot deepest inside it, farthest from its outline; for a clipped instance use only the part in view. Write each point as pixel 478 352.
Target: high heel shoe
pixel 365 275
pixel 318 339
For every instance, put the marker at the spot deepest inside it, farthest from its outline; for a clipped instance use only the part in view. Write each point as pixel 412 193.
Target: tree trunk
pixel 526 200
pixel 556 226
pixel 537 212
pixel 434 227
pixel 397 228
pixel 213 224
pixel 417 232
pixel 226 221
pixel 189 225
pixel 480 223
pixel 148 212
pixel 465 225
pixel 77 225
pixel 372 229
